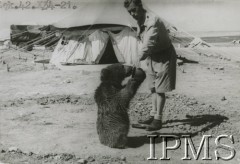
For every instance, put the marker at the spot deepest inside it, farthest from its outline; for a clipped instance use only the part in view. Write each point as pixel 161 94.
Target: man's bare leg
pixel 157 122
pixel 161 99
pixel 154 105
pixel 153 112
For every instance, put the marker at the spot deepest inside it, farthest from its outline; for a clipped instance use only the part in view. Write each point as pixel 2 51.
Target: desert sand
pixel 48 115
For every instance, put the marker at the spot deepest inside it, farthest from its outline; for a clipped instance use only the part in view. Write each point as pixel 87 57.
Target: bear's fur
pixel 113 100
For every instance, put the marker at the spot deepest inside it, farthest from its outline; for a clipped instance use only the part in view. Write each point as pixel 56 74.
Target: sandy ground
pixel 48 115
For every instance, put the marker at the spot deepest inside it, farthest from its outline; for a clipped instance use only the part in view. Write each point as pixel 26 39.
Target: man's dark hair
pixel 127 3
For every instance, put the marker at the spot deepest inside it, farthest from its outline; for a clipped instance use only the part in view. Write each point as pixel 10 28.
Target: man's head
pixel 134 8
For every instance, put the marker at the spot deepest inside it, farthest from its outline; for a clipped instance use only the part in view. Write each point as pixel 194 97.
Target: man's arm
pixel 149 42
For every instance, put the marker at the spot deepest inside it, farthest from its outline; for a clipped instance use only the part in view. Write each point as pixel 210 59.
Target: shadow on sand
pixel 209 121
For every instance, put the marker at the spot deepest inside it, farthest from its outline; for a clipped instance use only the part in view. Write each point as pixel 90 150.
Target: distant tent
pixel 236 41
pixel 197 42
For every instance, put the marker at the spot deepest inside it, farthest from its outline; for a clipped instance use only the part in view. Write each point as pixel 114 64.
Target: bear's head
pixel 115 73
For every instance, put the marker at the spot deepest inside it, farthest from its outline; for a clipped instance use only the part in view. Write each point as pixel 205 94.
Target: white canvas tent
pixel 99 47
pixel 103 34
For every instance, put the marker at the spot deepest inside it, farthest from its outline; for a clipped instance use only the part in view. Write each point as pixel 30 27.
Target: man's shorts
pixel 161 73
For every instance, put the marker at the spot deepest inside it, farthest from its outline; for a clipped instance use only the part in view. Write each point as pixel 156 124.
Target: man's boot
pixel 146 121
pixel 155 125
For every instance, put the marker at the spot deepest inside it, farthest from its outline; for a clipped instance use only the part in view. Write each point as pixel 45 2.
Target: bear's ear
pixel 105 74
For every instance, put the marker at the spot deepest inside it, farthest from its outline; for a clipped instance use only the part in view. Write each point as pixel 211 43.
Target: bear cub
pixel 113 100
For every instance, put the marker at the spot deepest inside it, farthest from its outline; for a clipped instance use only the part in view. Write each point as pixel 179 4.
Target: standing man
pixel 156 48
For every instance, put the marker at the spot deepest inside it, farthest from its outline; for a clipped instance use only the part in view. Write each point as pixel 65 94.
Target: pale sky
pixel 189 15
pixel 200 15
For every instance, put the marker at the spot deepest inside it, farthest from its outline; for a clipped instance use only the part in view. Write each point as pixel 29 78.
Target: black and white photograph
pixel 119 81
